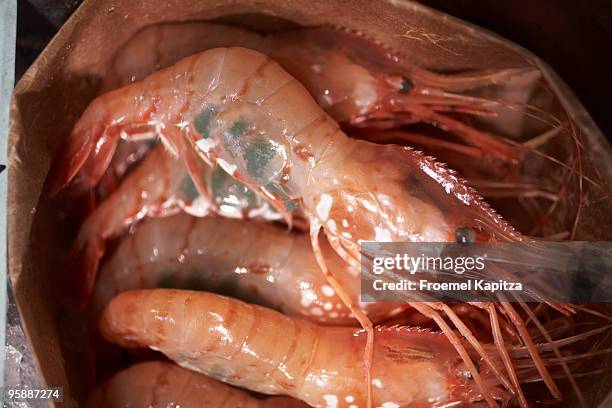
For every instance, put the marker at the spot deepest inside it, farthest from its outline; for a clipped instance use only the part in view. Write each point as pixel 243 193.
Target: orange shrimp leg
pixel 362 318
pixel 469 311
pixel 524 335
pixel 467 333
pixel 98 161
pixel 512 189
pixel 89 150
pixel 537 359
pixel 555 349
pixel 409 138
pixel 431 313
pixel 279 206
pixel 501 347
pixel 193 163
pixel 490 143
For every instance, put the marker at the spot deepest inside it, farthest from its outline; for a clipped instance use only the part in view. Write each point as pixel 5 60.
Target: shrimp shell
pixel 159 385
pixel 160 186
pixel 255 262
pixel 352 78
pixel 265 351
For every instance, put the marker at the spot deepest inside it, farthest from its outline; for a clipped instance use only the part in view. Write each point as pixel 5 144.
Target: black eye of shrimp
pixel 406 85
pixel 465 235
pixel 468 373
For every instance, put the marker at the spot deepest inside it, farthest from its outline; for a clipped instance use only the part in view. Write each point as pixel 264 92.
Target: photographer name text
pixel 466 286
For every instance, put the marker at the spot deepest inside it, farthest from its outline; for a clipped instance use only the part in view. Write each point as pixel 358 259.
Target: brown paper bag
pixel 56 89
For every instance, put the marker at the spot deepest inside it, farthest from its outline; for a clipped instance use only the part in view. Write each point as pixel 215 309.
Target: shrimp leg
pixel 460 348
pixel 363 319
pixel 499 342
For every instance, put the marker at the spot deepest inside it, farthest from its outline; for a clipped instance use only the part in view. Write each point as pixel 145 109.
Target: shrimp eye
pixel 406 85
pixel 468 373
pixel 465 235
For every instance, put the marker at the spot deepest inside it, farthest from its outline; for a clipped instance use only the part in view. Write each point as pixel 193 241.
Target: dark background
pixel 573 36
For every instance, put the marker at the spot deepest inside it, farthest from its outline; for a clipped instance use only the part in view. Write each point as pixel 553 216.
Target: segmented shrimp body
pixel 349 75
pixel 239 109
pixel 160 186
pixel 267 131
pixel 162 385
pixel 242 111
pixel 268 352
pixel 162 45
pixel 155 188
pixel 149 50
pixel 255 262
pixel 355 80
pixel 277 140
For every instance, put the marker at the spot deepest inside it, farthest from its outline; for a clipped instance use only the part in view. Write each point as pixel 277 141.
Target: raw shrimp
pixel 160 186
pixel 149 50
pixel 255 262
pixel 352 78
pixel 361 83
pixel 156 188
pixel 265 351
pixel 273 137
pixel 160 385
pixel 241 110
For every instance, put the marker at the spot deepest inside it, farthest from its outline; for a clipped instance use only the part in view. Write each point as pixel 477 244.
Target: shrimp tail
pixel 89 149
pixel 81 268
pixel 72 156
